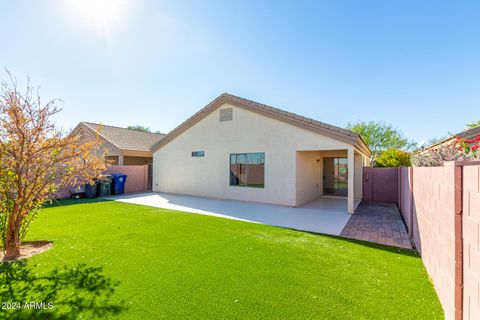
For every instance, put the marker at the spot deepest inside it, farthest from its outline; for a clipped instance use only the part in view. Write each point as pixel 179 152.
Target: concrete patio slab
pixel 323 215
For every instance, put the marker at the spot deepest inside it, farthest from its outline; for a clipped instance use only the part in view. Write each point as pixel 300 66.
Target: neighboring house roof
pixel 124 139
pixel 334 132
pixel 466 134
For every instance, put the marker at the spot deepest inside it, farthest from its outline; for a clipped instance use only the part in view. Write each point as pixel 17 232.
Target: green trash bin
pixel 105 186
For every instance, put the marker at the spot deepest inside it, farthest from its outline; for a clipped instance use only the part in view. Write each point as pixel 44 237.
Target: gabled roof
pixel 466 134
pixel 325 129
pixel 470 133
pixel 125 139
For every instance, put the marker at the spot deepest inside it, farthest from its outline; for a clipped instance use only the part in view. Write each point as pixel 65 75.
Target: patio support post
pixel 120 159
pixel 351 180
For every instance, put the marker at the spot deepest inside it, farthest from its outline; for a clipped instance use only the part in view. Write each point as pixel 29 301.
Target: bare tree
pixel 36 159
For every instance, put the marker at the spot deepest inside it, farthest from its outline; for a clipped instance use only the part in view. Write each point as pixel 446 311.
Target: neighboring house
pixel 239 149
pixel 123 146
pixel 466 135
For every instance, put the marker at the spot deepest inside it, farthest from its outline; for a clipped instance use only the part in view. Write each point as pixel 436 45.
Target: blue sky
pixel 414 64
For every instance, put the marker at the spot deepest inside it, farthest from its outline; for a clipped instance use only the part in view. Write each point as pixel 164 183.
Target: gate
pixel 380 184
pixel 150 176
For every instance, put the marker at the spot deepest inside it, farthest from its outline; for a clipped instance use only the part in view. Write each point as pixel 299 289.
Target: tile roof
pixel 470 133
pixel 292 118
pixel 466 134
pixel 127 139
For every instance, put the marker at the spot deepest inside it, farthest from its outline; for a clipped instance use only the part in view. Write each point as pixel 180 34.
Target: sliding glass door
pixel 335 176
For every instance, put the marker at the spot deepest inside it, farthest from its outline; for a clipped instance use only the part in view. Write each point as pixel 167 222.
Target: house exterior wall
pixel 86 135
pixel 176 171
pixel 309 176
pixel 112 160
pixel 359 159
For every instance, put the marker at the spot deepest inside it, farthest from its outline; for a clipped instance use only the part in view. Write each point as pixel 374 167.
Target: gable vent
pixel 226 114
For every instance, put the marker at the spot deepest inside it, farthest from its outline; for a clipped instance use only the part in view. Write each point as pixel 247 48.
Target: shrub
pixel 393 158
pixel 457 150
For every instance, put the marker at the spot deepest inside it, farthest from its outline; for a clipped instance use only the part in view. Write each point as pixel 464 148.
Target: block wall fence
pixel 441 209
pixel 137 179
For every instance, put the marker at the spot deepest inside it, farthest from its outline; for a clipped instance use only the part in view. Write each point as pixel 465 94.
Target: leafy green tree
pixel 393 158
pixel 139 128
pixel 473 125
pixel 380 136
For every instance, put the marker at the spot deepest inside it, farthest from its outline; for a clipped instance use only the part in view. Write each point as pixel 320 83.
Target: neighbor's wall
pixel 427 203
pixel 471 242
pixel 137 177
pixel 434 236
pixel 63 193
pixel 176 171
pixel 137 180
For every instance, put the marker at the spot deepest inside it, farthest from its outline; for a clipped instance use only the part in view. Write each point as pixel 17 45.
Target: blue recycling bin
pixel 118 183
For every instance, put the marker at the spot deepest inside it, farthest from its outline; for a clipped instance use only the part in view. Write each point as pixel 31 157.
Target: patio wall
pixel 137 179
pixel 430 200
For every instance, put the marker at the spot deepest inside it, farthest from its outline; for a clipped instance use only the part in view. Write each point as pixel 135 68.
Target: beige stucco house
pixel 239 149
pixel 123 146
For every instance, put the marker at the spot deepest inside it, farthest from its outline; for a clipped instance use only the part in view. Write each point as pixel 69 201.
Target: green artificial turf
pixel 124 261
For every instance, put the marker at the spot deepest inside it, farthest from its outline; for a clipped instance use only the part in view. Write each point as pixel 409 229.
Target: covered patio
pixel 330 173
pixel 322 215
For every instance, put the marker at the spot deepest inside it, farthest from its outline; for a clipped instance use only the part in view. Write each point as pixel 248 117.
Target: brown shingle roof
pixel 288 117
pixel 126 139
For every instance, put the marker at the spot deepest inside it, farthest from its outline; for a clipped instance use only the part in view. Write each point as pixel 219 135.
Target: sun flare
pixel 106 13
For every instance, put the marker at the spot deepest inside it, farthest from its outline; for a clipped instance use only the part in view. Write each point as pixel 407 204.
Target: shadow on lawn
pixel 72 292
pixel 68 202
pixel 384 247
pixel 373 245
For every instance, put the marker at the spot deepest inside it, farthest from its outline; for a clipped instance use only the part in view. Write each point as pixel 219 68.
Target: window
pixel 198 153
pixel 247 170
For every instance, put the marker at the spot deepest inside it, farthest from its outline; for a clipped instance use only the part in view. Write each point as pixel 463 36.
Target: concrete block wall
pixel 137 180
pixel 432 207
pixel 471 242
pixel 137 177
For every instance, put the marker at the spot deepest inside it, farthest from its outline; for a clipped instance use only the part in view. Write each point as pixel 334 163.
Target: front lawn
pixel 125 261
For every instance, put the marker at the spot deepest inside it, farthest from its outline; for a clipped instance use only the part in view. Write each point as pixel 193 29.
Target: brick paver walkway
pixel 378 222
